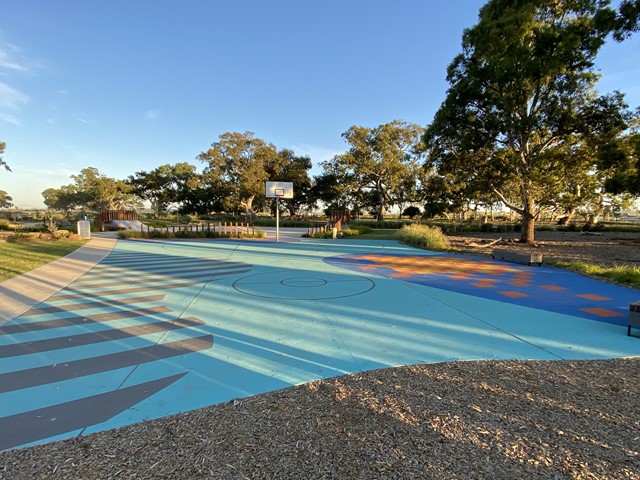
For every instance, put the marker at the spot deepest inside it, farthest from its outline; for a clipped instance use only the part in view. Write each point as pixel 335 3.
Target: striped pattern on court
pixel 98 331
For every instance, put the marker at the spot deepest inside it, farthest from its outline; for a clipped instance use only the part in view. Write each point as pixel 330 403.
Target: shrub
pixel 411 211
pixel 423 236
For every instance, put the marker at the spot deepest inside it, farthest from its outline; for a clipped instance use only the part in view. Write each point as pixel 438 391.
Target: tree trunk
pixel 567 218
pixel 593 219
pixel 528 221
pixel 248 207
pixel 381 207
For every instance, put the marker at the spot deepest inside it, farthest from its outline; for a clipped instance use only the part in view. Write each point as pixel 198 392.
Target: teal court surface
pixel 162 327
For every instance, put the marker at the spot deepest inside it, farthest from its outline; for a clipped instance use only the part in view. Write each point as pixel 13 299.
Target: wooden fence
pixel 107 216
pixel 223 229
pixel 313 229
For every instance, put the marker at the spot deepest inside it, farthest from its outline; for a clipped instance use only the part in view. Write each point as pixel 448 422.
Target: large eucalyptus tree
pixel 522 90
pixel 241 162
pixel 380 160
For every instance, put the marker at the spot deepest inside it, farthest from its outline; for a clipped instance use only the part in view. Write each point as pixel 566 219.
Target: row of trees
pixel 236 168
pixel 522 125
pixel 381 169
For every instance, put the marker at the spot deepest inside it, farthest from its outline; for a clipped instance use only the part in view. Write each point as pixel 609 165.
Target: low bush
pixel 423 236
pixel 325 235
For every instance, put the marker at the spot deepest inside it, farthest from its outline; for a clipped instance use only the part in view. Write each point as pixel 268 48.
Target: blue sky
pixel 125 85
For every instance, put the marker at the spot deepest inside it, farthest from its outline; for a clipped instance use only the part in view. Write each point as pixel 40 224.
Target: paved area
pixel 19 294
pixel 154 328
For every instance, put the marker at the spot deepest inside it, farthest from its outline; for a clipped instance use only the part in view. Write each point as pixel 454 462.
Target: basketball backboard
pixel 279 190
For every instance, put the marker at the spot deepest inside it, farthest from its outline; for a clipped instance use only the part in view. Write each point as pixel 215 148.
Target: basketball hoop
pixel 278 190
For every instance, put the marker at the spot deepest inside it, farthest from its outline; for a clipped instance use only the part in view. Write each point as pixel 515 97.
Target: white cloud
pixel 7 117
pixel 152 114
pixel 11 59
pixel 12 63
pixel 82 120
pixel 60 173
pixel 10 97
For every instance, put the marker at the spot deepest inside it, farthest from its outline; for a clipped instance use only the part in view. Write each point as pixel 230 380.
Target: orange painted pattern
pixel 455 268
pixel 602 312
pixel 554 288
pixel 464 270
pixel 592 296
pixel 514 294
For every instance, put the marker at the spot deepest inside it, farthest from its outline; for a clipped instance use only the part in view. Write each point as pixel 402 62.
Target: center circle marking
pixel 280 285
pixel 303 282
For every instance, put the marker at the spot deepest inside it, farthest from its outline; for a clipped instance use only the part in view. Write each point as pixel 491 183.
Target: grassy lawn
pixel 627 275
pixel 379 234
pixel 18 258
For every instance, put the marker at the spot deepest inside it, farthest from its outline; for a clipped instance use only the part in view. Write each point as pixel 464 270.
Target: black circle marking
pixel 280 285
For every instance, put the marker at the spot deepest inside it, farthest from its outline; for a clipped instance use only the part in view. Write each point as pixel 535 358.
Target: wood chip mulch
pixel 601 248
pixel 476 420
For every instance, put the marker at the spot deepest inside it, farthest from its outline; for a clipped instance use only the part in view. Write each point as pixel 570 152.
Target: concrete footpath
pixel 19 294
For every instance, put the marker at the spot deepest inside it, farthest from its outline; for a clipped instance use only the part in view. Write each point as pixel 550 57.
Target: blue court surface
pixel 162 327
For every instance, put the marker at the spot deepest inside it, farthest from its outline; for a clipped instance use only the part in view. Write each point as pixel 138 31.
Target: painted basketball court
pixel 161 327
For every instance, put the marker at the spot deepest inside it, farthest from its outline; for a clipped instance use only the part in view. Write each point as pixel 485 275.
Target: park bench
pixel 634 317
pixel 517 257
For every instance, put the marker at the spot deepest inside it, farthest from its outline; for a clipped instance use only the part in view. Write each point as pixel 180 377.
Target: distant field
pixel 18 258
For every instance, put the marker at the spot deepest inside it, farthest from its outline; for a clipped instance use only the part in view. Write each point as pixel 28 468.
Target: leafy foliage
pixel 91 191
pixel 521 101
pixel 163 185
pixel 241 162
pixel 2 162
pixel 381 164
pixel 5 200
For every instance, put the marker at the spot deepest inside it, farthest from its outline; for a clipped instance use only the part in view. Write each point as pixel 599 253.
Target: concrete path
pixel 19 294
pixel 161 327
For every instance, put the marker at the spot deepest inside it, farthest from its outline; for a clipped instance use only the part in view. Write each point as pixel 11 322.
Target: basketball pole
pixel 277 219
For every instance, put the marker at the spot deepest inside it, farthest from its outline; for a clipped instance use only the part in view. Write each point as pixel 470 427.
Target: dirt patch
pixel 604 248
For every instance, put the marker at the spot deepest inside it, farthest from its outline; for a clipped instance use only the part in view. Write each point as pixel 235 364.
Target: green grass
pixel 628 275
pixel 380 234
pixel 18 258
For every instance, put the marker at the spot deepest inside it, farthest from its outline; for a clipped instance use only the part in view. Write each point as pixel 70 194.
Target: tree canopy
pixel 91 190
pixel 163 185
pixel 521 93
pixel 241 162
pixel 2 162
pixel 380 161
pixel 5 200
